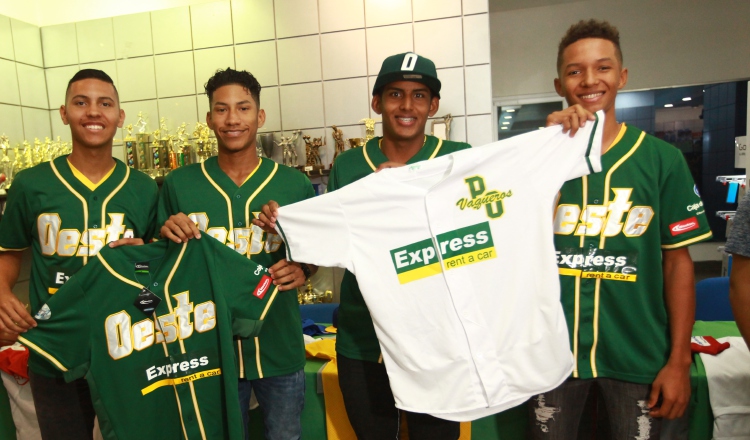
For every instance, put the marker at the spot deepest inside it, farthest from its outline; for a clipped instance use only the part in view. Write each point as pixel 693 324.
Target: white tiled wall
pixel 316 60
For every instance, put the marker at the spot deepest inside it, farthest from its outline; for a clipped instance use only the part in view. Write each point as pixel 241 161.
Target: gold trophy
pixel 143 160
pixel 369 128
pixel 183 147
pixel 338 139
pixel 312 153
pixel 441 127
pixel 131 148
pixel 27 155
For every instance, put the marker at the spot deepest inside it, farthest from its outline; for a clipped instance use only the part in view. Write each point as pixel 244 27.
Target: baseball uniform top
pixel 225 211
pixel 738 241
pixel 456 262
pixel 610 231
pixel 356 337
pixel 167 372
pixel 66 220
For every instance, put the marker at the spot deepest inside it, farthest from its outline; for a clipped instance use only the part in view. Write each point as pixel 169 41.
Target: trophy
pixel 131 148
pixel 338 139
pixel 312 153
pixel 356 142
pixel 143 160
pixel 369 128
pixel 6 166
pixel 17 162
pixel 289 148
pixel 266 143
pixel 27 155
pixel 184 155
pixel 441 127
pixel 47 149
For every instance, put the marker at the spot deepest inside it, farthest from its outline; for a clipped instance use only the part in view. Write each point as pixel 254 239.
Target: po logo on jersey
pixel 606 219
pixel 123 336
pixel 492 201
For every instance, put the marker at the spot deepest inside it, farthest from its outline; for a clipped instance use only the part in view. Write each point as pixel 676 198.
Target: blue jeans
pixel 281 400
pixel 556 414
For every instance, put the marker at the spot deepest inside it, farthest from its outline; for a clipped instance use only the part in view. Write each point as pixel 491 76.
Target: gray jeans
pixel 556 415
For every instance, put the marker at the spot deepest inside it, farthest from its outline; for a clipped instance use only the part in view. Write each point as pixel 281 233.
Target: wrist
pixel 305 270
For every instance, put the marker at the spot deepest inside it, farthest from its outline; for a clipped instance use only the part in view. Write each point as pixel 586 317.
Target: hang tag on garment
pixel 147 302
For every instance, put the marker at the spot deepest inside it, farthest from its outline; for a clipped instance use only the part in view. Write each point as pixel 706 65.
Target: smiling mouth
pixel 233 133
pixel 94 127
pixel 406 120
pixel 592 95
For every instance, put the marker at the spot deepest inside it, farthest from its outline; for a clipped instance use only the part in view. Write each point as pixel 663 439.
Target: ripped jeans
pixel 556 415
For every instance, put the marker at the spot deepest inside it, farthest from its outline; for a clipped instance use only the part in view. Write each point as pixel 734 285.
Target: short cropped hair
pixel 230 76
pixel 91 74
pixel 589 29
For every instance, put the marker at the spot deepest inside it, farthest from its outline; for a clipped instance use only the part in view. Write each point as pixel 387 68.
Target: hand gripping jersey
pixel 610 231
pixel 356 337
pixel 224 211
pixel 166 373
pixel 455 259
pixel 66 220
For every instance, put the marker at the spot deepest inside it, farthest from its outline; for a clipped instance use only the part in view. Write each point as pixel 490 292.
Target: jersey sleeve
pixel 554 157
pixel 682 215
pixel 17 221
pixel 738 241
pixel 63 333
pixel 315 231
pixel 246 286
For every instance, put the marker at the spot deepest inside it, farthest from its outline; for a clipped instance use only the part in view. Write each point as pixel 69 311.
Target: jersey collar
pixel 374 156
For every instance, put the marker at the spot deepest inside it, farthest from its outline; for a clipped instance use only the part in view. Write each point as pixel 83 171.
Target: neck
pixel 611 130
pixel 94 163
pixel 401 151
pixel 238 164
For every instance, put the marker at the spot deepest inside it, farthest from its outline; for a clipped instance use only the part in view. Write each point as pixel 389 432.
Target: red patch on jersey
pixel 263 287
pixel 684 226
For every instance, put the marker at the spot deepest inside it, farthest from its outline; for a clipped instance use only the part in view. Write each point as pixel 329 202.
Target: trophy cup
pixel 143 159
pixel 47 149
pixel 27 155
pixel 266 143
pixel 17 162
pixel 312 153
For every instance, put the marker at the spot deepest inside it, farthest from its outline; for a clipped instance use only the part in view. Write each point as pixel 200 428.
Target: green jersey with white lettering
pixel 610 231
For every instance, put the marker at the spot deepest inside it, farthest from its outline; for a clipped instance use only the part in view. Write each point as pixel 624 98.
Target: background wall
pixel 665 43
pixel 316 59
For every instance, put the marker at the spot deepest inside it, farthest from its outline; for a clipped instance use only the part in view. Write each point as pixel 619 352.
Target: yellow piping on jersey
pixel 112 194
pixel 602 240
pixel 257 167
pixel 117 275
pixel 179 406
pixel 37 349
pixel 367 157
pixel 257 191
pixel 687 242
pixel 13 250
pixel 257 358
pixel 226 198
pixel 434 153
pixel 374 168
pixel 86 181
pixel 242 361
pixel 575 324
pixel 83 202
pixel 257 341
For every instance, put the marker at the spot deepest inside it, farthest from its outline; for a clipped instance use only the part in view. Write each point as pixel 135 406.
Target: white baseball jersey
pixel 456 262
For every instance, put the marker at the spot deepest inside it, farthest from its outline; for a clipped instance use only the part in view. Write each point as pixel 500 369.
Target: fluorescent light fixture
pixel 687 98
pixel 507 117
pixel 506 123
pixel 510 110
pixel 503 128
pixel 668 105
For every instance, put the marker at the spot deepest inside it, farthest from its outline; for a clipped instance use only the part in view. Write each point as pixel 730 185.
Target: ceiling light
pixel 506 123
pixel 668 105
pixel 687 98
pixel 508 117
pixel 510 110
pixel 503 128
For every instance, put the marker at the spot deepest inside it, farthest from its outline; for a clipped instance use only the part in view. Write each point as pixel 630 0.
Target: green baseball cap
pixel 408 67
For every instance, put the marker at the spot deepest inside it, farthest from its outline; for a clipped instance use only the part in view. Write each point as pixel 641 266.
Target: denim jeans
pixel 64 410
pixel 372 410
pixel 281 399
pixel 556 415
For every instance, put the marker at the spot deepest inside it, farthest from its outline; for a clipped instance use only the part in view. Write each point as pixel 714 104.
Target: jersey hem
pixel 276 373
pixel 4 249
pixel 705 236
pixel 626 377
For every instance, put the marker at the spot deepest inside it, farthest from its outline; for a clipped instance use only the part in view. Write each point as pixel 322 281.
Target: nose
pixel 407 102
pixel 589 77
pixel 232 116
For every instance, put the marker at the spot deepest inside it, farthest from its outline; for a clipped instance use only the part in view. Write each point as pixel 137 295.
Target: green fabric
pixel 189 190
pixel 7 428
pixel 356 334
pixel 633 332
pixel 95 331
pixel 41 211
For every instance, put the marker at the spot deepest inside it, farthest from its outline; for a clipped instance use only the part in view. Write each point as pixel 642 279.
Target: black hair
pixel 589 29
pixel 230 76
pixel 91 74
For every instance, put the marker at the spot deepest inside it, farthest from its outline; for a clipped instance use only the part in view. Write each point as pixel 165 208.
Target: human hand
pixel 572 118
pixel 267 217
pixel 287 275
pixel 126 242
pixel 14 318
pixel 179 228
pixel 673 384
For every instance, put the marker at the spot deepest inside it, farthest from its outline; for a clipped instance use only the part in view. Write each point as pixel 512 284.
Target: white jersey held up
pixel 456 261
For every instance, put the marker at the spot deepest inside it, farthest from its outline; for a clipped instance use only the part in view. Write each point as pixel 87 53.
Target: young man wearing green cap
pixel 406 93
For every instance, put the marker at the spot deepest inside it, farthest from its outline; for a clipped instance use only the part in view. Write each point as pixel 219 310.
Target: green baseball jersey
pixel 356 338
pixel 224 211
pixel 66 220
pixel 610 231
pixel 160 362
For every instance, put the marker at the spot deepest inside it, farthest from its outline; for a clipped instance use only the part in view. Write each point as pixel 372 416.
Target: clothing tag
pixel 141 267
pixel 263 287
pixel 147 302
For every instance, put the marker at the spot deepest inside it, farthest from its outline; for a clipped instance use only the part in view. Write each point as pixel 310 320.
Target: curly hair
pixel 230 76
pixel 591 28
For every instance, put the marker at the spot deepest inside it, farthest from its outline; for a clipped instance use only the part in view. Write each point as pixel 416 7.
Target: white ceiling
pixel 507 5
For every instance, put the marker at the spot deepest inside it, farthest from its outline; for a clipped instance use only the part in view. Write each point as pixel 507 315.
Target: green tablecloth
pixel 508 425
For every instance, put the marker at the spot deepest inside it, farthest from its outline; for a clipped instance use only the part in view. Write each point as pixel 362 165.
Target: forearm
pixel 679 296
pixel 739 294
pixel 10 267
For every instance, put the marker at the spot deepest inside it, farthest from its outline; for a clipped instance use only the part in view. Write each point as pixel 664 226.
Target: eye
pixel 419 95
pixel 107 104
pixel 79 103
pixel 573 72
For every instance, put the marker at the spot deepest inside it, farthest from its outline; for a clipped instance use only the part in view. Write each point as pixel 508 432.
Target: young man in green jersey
pixel 220 197
pixel 630 322
pixel 406 94
pixel 66 210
